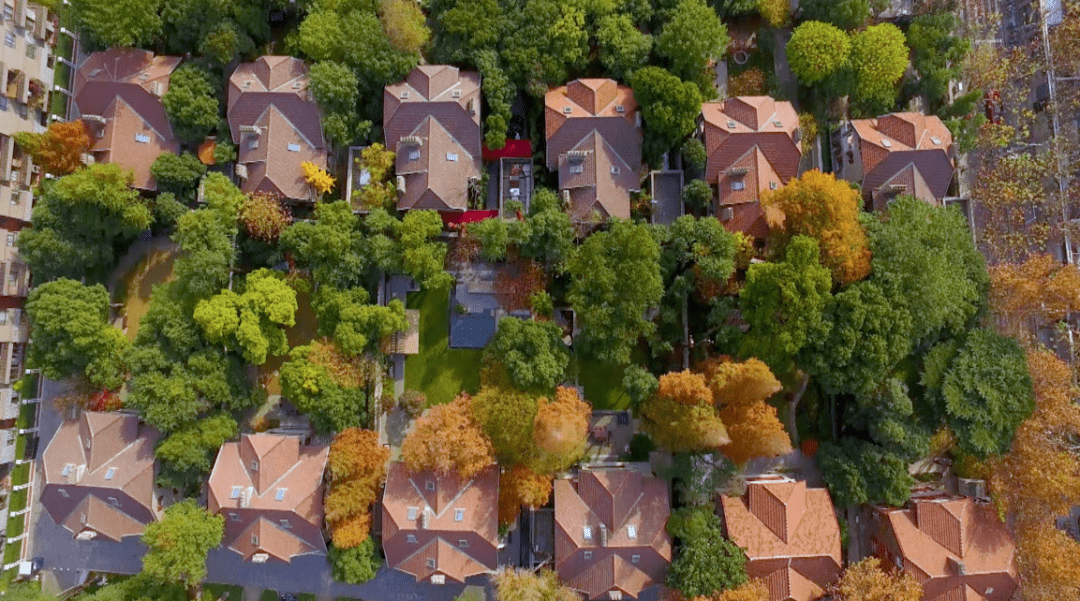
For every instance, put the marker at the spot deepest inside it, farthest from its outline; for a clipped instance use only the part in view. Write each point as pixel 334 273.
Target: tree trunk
pixel 793 430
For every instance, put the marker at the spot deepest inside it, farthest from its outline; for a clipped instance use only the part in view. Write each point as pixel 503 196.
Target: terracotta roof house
pixel 99 476
pixel 118 94
pixel 753 146
pixel 439 527
pixel 954 546
pixel 269 488
pixel 899 153
pixel 276 125
pixel 432 121
pixel 611 539
pixel 790 535
pixel 593 131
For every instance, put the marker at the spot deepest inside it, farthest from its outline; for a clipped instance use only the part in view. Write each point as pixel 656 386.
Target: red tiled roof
pixel 898 141
pixel 610 531
pixel 956 548
pixel 598 179
pixel 99 475
pixel 271 94
pixel 752 144
pixel 124 87
pixel 790 535
pixel 270 489
pixel 437 169
pixel 440 525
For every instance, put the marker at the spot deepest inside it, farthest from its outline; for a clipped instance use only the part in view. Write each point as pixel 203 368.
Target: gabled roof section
pixel 99 519
pixel 893 142
pixel 598 179
pixel 573 111
pixel 790 535
pixel 264 536
pixel 276 125
pixel 124 87
pixel 954 543
pixel 906 181
pixel 440 524
pixel 436 168
pixel 610 531
pixel 442 92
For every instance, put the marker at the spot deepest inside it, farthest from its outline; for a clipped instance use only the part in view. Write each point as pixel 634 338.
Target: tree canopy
pixel 326 385
pixel 108 24
pixel 191 103
pixel 691 39
pixel 252 320
pixel 669 106
pixel 357 464
pixel 59 149
pixel 681 416
pixel 178 544
pixel 532 352
pixel 448 439
pixel 879 58
pixel 706 562
pixel 870 580
pixel 817 50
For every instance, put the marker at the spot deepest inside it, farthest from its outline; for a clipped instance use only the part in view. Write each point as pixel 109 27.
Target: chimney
pixel 603 535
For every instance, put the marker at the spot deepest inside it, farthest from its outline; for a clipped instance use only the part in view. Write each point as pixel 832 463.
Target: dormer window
pixel 738 185
pixel 463 543
pixel 588 555
pixel 410 538
pixel 459 515
pixel 234 517
pixel 586 532
pixel 412 513
pixel 635 559
pixel 429 485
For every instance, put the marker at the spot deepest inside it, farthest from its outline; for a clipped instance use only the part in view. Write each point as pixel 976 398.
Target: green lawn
pixel 268 595
pixel 27 415
pixel 306 597
pixel 15 525
pixel 17 502
pixel 12 552
pixel 603 383
pixel 20 474
pixel 437 370
pixel 214 592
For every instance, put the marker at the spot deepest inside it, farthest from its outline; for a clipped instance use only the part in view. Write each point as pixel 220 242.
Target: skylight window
pixel 588 555
pixel 936 140
pixel 567 110
pixel 635 559
pixel 429 485
pixel 614 170
pixel 431 562
pixel 773 185
pixel 459 515
pixel 620 108
pixel 405 94
pixel 67 470
pixel 414 155
pixel 886 143
pixel 455 94
pixel 110 473
pixel 142 138
pixel 410 538
pixel 463 543
pixel 235 494
pixel 738 185
pixel 451 156
pixel 732 124
pixel 778 123
pixel 412 513
pixel 586 532
pixel 280 495
pixel 294 148
pixel 631 531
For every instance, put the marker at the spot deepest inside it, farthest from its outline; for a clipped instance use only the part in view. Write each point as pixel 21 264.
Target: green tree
pixel 845 14
pixel 333 403
pixel 191 103
pixel 79 223
pixel 639 383
pixel 547 235
pixel 546 41
pixel 623 47
pixel 329 247
pixel 334 86
pixel 188 453
pixel 691 39
pixel 127 23
pixel 71 336
pixel 252 320
pixel 167 210
pixel 784 304
pixel 697 254
pixel 669 108
pixel 355 325
pixel 697 194
pixel 615 280
pixel 936 54
pixel 924 257
pixel 868 334
pixel 507 417
pixel 694 154
pixel 817 50
pixel 532 351
pixel 879 58
pixel 355 565
pixel 984 391
pixel 178 174
pixel 858 471
pixel 409 246
pixel 178 544
pixel 706 561
pixel 887 416
pixel 493 236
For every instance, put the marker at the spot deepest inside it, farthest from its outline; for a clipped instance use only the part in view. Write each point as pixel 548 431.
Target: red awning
pixel 514 149
pixel 452 219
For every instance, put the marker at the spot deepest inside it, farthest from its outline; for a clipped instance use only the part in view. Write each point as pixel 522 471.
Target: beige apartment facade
pixel 27 63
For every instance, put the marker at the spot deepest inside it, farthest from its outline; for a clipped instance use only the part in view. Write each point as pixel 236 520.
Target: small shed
pixel 407 342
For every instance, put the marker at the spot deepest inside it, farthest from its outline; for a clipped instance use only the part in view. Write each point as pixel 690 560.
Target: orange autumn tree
pixel 518 485
pixel 826 209
pixel 753 590
pixel 264 216
pixel 59 150
pixel 869 580
pixel 357 465
pixel 740 392
pixel 1049 561
pixel 681 416
pixel 1039 291
pixel 560 431
pixel 447 439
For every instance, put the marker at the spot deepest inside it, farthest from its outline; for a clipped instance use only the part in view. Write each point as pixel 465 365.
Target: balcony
pixel 16 87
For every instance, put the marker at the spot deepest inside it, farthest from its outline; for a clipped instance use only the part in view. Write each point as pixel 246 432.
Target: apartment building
pixel 26 73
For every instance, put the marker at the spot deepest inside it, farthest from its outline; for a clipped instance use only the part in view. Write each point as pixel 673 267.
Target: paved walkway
pixel 784 77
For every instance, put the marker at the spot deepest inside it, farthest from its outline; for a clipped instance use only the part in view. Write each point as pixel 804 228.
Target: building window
pixel 3 320
pixel 234 517
pixel 463 543
pixel 738 185
pixel 588 555
pixel 235 494
pixel 431 563
pixel 429 485
pixel 63 493
pixel 410 538
pixel 31 50
pixel 255 539
pixel 773 185
pixel 635 559
pixel 16 197
pixel 254 466
pixel 412 513
pixel 459 515
pixel 631 531
pixel 9 39
pixel 114 502
pixel 110 473
pixel 285 524
pixel 9 12
pixel 586 533
pixel 11 239
pixel 280 494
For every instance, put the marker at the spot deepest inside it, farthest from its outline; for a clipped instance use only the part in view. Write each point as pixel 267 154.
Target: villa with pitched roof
pixel 441 527
pixel 432 121
pixel 276 126
pixel 269 488
pixel 611 539
pixel 753 146
pixel 99 476
pixel 955 547
pixel 899 153
pixel 593 132
pixel 790 535
pixel 117 93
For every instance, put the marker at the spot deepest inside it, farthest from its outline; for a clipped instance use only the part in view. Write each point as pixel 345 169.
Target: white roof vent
pixel 620 108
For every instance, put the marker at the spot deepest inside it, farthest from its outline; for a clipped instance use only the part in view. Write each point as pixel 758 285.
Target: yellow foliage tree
pixel 518 485
pixel 740 391
pixel 561 431
pixel 357 465
pixel 826 209
pixel 60 149
pixel 447 439
pixel 525 585
pixel 1038 291
pixel 681 416
pixel 867 580
pixel 1049 561
pixel 317 177
pixel 777 13
pixel 753 590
